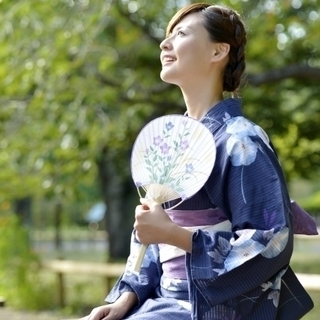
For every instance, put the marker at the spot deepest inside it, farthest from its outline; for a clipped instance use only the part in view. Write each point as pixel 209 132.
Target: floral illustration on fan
pixel 171 159
pixel 163 156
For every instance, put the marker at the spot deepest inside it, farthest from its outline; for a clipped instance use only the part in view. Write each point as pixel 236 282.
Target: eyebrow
pixel 180 27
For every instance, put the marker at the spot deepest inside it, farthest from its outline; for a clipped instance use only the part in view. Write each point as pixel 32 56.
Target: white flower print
pixel 263 136
pixel 245 248
pixel 240 147
pixel 236 252
pixel 220 253
pixel 219 271
pixel 243 252
pixel 242 150
pixel 265 286
pixel 277 244
pixel 222 250
pixel 276 286
pixel 274 295
pixel 268 234
pixel 244 235
pixel 277 283
pixel 226 117
pixel 240 125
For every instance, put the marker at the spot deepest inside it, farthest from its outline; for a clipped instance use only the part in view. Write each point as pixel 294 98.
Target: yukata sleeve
pixel 252 192
pixel 143 283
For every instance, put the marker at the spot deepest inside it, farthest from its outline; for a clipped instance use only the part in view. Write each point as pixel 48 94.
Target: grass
pixel 306 255
pixel 314 314
pixel 82 293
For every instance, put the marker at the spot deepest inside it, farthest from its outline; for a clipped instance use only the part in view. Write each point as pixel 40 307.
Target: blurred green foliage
pixel 20 282
pixel 79 78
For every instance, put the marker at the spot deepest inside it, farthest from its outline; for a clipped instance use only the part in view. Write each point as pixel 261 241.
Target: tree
pixel 79 79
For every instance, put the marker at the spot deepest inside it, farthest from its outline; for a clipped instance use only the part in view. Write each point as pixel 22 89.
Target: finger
pixel 145 203
pixel 148 203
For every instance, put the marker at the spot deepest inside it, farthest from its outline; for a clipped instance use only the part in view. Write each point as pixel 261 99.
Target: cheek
pixel 192 52
pixel 195 59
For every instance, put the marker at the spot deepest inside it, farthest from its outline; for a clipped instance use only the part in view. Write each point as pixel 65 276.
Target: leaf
pixel 219 271
pixel 224 246
pixel 217 256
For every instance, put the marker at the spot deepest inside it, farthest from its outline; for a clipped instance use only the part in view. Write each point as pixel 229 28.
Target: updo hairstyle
pixel 224 25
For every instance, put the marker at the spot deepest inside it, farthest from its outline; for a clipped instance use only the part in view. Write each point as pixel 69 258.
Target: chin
pixel 165 77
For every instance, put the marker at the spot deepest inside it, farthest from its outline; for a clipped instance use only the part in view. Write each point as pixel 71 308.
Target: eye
pixel 180 33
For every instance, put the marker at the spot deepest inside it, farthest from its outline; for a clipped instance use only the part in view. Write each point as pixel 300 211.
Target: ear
pixel 220 51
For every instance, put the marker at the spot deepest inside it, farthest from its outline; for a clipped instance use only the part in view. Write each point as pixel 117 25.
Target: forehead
pixel 191 20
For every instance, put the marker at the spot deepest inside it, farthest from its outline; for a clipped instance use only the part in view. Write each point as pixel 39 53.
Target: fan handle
pixel 173 196
pixel 139 259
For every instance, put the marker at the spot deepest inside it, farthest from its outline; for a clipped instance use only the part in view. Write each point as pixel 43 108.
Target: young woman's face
pixel 186 53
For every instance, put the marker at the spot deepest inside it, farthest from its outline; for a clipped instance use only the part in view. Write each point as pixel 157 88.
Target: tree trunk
pixel 120 198
pixel 57 229
pixel 22 208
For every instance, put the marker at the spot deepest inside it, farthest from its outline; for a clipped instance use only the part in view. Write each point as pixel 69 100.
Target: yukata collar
pixel 216 115
pixel 232 106
pixel 214 118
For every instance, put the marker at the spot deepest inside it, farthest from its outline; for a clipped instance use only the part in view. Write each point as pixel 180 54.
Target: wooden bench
pixel 109 271
pixel 112 271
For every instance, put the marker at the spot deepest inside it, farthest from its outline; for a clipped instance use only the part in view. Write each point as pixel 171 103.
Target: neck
pixel 199 100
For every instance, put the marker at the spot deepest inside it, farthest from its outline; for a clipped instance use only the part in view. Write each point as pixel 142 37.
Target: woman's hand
pixel 114 311
pixel 107 312
pixel 153 226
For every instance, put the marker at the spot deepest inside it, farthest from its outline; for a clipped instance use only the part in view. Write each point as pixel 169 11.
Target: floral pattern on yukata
pixel 236 274
pixel 240 147
pixel 243 152
pixel 274 288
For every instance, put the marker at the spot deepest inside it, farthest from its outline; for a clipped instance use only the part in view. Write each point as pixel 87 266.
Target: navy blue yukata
pixel 242 243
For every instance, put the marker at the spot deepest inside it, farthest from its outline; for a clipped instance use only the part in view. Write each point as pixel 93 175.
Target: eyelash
pixel 180 33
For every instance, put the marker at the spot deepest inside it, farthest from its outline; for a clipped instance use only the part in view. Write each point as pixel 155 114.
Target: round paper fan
pixel 172 158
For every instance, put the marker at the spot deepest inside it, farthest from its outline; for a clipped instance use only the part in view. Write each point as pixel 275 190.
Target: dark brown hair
pixel 224 25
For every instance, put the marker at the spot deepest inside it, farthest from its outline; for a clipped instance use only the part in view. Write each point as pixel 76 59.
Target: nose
pixel 165 44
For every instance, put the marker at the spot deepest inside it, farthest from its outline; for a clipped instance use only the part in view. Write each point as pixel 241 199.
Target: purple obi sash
pixel 173 264
pixel 173 260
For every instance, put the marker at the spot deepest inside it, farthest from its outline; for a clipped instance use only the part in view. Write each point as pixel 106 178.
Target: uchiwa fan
pixel 171 159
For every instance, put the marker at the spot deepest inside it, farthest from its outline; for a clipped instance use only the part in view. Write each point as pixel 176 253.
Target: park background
pixel 79 79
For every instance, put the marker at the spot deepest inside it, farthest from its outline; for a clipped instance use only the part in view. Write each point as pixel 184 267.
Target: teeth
pixel 169 59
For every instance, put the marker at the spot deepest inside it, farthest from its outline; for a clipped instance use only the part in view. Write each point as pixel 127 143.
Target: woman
pixel 235 236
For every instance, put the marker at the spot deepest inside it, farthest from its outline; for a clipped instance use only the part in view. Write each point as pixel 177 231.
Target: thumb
pixel 147 203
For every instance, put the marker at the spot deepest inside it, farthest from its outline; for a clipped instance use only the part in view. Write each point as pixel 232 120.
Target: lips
pixel 167 59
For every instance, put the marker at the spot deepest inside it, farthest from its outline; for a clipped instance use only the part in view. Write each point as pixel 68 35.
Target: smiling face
pixel 186 54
